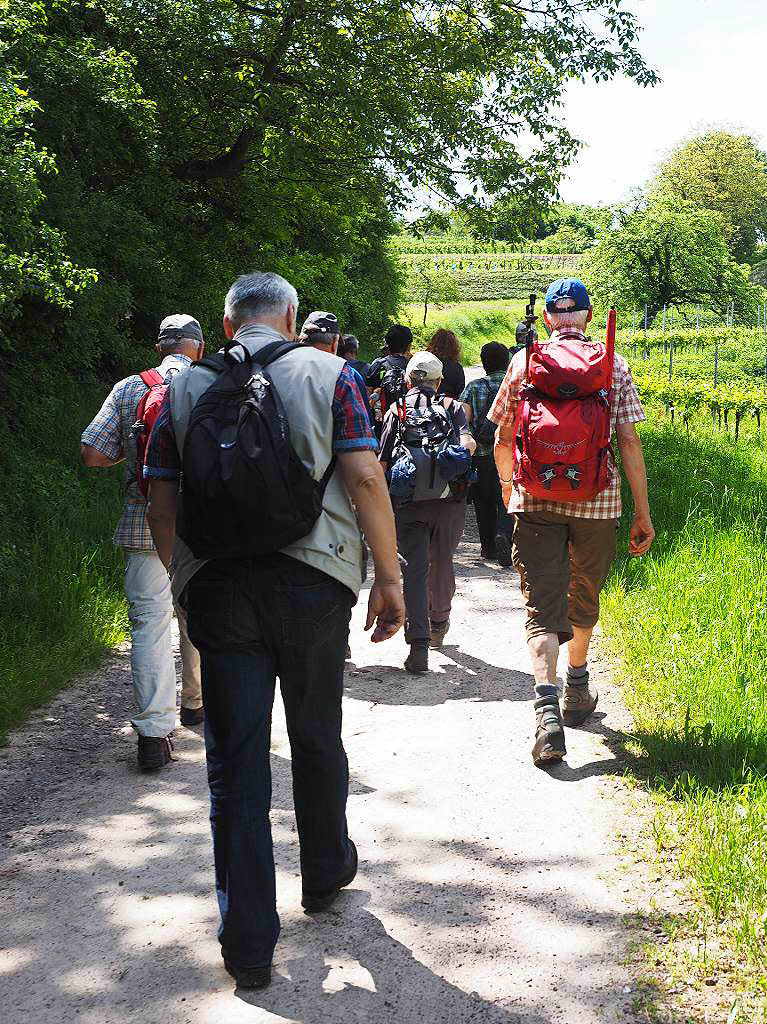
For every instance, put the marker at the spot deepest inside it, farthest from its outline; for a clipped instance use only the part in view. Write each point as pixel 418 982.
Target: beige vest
pixel 306 382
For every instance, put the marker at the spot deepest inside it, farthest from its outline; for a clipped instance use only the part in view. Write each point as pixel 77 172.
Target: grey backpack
pixel 424 431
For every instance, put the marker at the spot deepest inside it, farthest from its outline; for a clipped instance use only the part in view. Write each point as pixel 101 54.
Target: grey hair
pixel 256 294
pixel 565 316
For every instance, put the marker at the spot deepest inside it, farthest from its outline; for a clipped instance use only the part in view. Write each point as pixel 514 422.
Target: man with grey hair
pixel 110 438
pixel 285 613
pixel 563 550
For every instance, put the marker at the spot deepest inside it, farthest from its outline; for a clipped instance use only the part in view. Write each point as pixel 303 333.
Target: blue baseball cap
pixel 567 288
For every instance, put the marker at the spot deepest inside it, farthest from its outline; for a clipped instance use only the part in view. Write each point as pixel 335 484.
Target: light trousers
pixel 150 609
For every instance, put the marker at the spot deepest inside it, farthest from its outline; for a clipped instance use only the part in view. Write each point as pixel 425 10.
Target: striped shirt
pixel 625 408
pixel 110 433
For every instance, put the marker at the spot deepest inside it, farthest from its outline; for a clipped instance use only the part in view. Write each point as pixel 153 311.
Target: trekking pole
pixel 530 319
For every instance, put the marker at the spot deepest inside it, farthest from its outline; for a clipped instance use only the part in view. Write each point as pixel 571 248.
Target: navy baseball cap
pixel 567 288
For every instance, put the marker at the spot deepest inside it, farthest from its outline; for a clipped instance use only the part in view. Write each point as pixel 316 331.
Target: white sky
pixel 712 57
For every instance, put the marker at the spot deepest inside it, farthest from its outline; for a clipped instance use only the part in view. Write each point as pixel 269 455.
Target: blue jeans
pixel 253 620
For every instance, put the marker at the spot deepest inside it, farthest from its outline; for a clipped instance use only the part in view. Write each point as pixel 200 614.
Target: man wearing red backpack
pixel 561 403
pixel 119 433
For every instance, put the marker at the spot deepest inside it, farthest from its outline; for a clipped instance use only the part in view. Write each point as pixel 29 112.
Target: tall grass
pixel 689 623
pixel 61 601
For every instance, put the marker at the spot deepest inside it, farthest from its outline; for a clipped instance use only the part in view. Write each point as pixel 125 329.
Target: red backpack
pixel 562 426
pixel 146 414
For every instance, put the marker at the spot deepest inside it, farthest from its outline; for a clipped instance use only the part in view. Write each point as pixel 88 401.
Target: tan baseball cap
pixel 424 366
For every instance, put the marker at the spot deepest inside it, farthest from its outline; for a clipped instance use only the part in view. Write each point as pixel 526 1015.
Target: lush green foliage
pixel 670 254
pixel 61 602
pixel 689 622
pixel 725 173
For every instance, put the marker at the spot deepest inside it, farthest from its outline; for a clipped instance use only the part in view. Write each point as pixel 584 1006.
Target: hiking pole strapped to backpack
pixel 530 319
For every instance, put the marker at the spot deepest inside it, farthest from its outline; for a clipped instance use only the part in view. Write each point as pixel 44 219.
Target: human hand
pixel 641 534
pixel 386 608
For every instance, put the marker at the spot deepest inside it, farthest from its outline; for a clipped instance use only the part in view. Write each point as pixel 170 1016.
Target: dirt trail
pixel 481 895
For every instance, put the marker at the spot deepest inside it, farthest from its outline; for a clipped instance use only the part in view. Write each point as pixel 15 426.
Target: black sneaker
pixel 417 662
pixel 314 902
pixel 503 549
pixel 549 743
pixel 154 752
pixel 248 977
pixel 192 716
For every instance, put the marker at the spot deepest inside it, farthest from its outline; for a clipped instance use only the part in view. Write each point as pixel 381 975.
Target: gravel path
pixel 481 895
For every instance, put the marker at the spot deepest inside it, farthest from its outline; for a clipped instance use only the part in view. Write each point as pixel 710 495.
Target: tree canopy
pixel 171 145
pixel 670 254
pixel 726 173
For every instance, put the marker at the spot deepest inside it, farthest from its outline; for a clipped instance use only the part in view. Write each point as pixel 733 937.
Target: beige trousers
pixel 191 691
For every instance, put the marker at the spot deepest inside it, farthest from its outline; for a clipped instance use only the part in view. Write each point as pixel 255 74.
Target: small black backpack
pixel 393 387
pixel 244 491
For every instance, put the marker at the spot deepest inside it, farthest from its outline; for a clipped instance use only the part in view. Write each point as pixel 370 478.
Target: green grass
pixel 689 624
pixel 61 603
pixel 475 323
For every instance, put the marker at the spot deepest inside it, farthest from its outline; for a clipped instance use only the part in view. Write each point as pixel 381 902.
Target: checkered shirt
pixel 110 433
pixel 351 429
pixel 625 408
pixel 479 394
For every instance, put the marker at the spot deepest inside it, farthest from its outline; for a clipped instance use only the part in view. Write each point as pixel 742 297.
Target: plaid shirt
pixel 479 394
pixel 625 408
pixel 110 433
pixel 351 429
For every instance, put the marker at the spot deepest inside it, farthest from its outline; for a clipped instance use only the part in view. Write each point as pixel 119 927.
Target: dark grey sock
pixel 577 672
pixel 546 690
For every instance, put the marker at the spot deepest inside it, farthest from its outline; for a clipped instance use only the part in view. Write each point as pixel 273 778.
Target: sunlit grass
pixel 689 623
pixel 61 602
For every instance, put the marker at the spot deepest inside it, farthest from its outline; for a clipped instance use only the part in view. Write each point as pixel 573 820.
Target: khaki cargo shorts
pixel 563 562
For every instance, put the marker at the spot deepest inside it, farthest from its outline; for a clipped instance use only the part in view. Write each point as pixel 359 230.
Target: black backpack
pixel 393 387
pixel 244 491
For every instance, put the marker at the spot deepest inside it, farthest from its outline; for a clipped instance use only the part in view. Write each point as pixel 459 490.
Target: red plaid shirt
pixel 625 408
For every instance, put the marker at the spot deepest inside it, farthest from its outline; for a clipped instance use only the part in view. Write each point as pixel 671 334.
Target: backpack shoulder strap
pixel 216 362
pixel 275 350
pixel 151 378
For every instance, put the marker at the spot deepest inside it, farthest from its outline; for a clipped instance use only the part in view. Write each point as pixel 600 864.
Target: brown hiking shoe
pixel 154 752
pixel 549 743
pixel 439 632
pixel 579 700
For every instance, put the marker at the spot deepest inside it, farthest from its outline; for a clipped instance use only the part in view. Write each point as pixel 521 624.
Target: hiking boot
pixel 439 632
pixel 579 700
pixel 154 752
pixel 248 977
pixel 314 901
pixel 549 734
pixel 192 716
pixel 503 549
pixel 417 662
